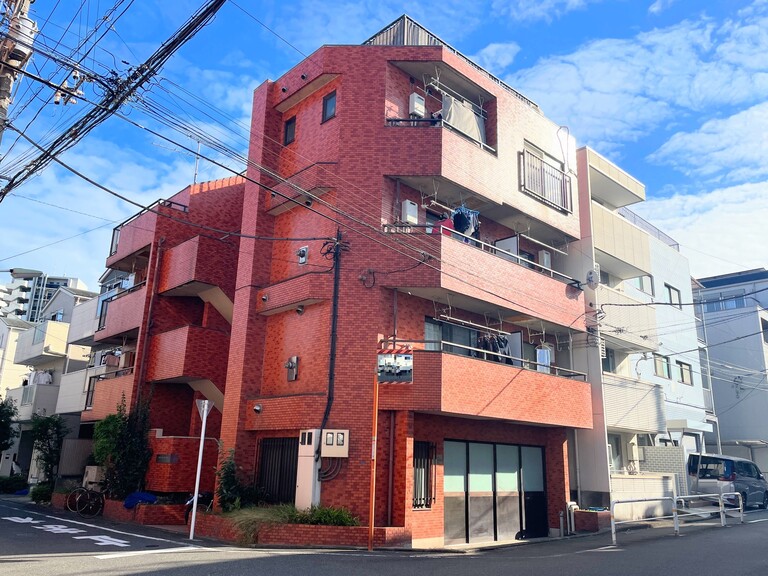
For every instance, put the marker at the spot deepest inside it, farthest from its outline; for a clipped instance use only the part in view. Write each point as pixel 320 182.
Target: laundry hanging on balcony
pixel 544 357
pixel 462 116
pixel 466 221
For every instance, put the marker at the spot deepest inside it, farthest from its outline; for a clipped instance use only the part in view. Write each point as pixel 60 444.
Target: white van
pixel 718 474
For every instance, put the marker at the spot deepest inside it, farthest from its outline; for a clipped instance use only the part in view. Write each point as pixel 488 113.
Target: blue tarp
pixel 139 498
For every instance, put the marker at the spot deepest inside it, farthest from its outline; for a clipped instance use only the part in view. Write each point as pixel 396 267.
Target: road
pixel 36 540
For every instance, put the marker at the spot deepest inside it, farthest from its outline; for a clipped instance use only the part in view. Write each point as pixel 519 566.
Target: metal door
pixel 277 470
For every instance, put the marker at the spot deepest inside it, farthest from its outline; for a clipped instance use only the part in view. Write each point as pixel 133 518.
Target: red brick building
pixel 399 200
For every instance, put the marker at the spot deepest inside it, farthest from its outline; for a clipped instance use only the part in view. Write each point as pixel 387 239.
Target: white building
pixel 735 319
pixel 24 298
pixel 641 354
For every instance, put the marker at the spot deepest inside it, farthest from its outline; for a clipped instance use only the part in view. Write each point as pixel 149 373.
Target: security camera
pixel 264 297
pixel 300 309
pixel 308 202
pixel 303 76
pixel 257 408
pixel 283 89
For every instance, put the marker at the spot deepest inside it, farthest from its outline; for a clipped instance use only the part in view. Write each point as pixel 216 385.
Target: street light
pixel 23 273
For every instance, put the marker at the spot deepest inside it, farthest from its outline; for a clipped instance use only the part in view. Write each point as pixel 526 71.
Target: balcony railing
pixel 106 376
pixel 437 231
pixel 487 355
pixel 427 122
pixel 151 208
pixel 546 182
pixel 120 293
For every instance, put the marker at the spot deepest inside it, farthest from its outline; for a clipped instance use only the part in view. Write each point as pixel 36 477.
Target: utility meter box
pixel 409 212
pixel 417 107
pixel 334 444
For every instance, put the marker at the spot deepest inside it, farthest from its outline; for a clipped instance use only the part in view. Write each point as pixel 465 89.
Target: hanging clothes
pixel 466 221
pixel 504 348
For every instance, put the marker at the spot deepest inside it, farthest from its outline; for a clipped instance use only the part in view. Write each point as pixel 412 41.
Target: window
pixel 661 366
pixel 329 106
pixel 423 477
pixel 609 362
pixel 764 328
pixel 673 296
pixel 685 372
pixel 289 134
pixel 643 283
pixel 440 335
pixel 58 316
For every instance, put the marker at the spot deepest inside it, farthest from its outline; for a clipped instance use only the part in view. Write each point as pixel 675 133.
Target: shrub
pixel 11 484
pixel 42 493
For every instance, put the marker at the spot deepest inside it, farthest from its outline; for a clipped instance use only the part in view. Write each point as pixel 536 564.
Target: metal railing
pixel 150 208
pixel 546 182
pixel 484 246
pixel 426 122
pixel 99 377
pixel 119 294
pixel 675 515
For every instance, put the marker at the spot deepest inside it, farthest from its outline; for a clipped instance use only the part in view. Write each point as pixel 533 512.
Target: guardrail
pixel 675 516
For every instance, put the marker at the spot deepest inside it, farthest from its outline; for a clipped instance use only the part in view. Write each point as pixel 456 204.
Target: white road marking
pixel 94 526
pixel 756 521
pixel 160 551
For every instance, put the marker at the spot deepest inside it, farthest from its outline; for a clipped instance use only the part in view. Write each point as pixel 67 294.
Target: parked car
pixel 718 474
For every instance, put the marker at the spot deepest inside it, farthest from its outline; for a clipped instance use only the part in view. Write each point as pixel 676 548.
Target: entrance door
pixel 493 492
pixel 277 471
pixel 535 523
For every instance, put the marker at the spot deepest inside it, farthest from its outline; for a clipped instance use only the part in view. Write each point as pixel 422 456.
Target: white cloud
pixel 659 6
pixel 533 10
pixel 734 148
pixel 497 57
pixel 719 231
pixel 613 91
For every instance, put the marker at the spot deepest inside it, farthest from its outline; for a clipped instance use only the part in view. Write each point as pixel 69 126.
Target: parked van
pixel 718 474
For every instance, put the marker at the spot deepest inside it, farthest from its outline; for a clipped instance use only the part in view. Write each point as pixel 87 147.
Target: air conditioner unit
pixel 409 212
pixel 545 258
pixel 417 106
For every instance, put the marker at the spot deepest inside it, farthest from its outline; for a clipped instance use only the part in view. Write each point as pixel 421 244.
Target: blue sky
pixel 674 91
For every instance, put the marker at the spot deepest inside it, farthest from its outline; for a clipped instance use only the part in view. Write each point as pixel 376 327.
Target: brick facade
pixel 351 173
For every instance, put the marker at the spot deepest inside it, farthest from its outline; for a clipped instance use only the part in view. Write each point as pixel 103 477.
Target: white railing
pixel 675 515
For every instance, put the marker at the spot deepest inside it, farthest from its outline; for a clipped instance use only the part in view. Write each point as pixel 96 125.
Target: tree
pixel 9 430
pixel 121 446
pixel 48 434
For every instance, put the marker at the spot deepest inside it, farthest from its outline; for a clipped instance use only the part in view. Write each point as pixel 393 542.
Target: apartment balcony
pixel 478 277
pixel 607 182
pixel 622 248
pixel 132 240
pixel 454 384
pixel 76 389
pixel 122 315
pixel 633 405
pixel 628 324
pixel 188 354
pixel 201 267
pixel 43 342
pixel 173 465
pixel 34 399
pixel 84 323
pixel 105 392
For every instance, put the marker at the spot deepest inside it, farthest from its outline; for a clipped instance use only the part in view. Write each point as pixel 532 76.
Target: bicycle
pixel 85 502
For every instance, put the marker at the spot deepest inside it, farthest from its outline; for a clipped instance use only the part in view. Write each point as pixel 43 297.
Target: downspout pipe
pixel 334 324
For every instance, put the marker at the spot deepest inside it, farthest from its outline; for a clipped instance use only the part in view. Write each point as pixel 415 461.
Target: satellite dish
pixel 593 279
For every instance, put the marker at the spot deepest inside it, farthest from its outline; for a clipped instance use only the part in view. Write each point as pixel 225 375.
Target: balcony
pixel 622 248
pixel 43 342
pixel 633 405
pixel 34 399
pixel 200 267
pixel 122 315
pixel 628 323
pixel 607 182
pixel 132 239
pixel 105 392
pixel 188 354
pixel 477 277
pixel 460 385
pixel 84 323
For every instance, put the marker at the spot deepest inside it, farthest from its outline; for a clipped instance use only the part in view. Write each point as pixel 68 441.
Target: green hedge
pixel 12 484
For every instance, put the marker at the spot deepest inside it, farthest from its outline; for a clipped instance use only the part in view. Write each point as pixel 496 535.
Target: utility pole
pixel 15 50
